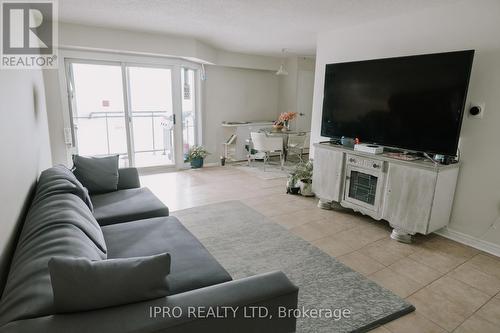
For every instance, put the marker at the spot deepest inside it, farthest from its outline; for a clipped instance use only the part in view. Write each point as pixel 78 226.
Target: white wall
pixel 25 148
pixel 75 36
pixel 288 86
pixel 81 37
pixel 464 25
pixel 295 90
pixel 235 94
pixel 60 153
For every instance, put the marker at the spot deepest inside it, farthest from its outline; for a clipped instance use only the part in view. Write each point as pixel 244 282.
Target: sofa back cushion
pixel 58 223
pixel 60 179
pixel 97 174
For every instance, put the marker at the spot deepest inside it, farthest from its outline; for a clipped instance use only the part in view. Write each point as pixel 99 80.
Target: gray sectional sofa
pixel 64 221
pixel 130 203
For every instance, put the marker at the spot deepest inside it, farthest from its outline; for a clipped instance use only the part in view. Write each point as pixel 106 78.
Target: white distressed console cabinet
pixel 413 196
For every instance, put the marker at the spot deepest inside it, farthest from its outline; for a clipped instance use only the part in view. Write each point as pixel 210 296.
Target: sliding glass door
pixel 98 110
pixel 152 115
pixel 131 110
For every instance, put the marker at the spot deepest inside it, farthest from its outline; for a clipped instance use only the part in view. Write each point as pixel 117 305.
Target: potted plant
pixel 196 156
pixel 303 173
pixel 292 185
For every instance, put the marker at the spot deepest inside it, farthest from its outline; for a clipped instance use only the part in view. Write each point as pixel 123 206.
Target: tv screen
pixel 413 103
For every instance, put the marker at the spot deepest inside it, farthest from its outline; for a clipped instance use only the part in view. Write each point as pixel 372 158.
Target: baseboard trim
pixel 472 241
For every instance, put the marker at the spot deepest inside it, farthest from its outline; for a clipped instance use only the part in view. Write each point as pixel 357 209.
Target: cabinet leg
pixel 324 204
pixel 338 207
pixel 401 236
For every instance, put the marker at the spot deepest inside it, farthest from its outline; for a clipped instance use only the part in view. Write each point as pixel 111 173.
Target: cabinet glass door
pixel 363 187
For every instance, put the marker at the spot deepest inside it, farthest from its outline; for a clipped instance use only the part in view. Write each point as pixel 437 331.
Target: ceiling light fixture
pixel 282 70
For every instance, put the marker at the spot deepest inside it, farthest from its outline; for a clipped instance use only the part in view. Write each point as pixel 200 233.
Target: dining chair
pixel 298 143
pixel 267 144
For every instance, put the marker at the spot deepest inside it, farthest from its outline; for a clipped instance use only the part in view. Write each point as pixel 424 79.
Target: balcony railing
pixel 114 130
pixel 101 133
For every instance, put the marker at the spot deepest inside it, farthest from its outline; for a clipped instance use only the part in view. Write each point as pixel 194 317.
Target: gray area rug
pixel 246 243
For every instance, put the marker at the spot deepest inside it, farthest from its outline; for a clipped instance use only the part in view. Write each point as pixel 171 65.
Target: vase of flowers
pixel 196 156
pixel 285 118
pixel 277 125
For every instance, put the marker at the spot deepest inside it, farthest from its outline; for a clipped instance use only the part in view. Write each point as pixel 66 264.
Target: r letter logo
pixel 29 34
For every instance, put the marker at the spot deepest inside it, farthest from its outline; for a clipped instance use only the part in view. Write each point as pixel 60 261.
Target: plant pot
pixel 196 163
pixel 292 186
pixel 306 188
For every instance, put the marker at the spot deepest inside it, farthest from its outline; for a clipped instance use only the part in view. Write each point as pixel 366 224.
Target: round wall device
pixel 475 110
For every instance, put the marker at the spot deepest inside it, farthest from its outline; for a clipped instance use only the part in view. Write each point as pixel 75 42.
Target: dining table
pixel 272 131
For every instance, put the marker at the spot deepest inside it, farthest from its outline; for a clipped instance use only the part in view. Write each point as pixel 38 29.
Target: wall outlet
pixel 476 110
pixel 68 136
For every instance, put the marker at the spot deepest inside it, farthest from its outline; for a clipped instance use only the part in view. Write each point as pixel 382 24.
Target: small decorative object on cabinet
pixel 196 156
pixel 413 196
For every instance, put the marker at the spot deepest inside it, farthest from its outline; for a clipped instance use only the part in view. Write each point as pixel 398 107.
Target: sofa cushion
pixel 60 179
pixel 80 284
pixel 57 225
pixel 127 205
pixel 191 267
pixel 97 174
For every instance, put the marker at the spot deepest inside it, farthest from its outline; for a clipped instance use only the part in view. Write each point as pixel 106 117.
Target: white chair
pixel 298 143
pixel 267 145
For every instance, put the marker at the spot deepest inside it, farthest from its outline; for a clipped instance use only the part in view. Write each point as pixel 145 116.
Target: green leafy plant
pixel 303 171
pixel 197 152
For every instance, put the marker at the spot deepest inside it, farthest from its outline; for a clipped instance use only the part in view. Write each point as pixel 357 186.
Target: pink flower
pixel 287 116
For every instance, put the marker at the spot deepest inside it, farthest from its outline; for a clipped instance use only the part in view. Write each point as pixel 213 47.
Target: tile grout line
pixel 476 312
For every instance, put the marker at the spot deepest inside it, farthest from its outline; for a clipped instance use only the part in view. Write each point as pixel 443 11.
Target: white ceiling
pixel 248 26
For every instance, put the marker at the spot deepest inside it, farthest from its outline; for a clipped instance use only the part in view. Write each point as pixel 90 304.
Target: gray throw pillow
pixel 79 284
pixel 97 174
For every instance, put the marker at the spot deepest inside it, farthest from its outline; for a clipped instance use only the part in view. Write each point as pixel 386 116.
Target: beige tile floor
pixel 455 288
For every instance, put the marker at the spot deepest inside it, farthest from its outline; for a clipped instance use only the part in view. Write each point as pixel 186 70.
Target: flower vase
pixel 286 126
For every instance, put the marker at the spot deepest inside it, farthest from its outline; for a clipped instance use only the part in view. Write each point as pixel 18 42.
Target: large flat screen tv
pixel 414 103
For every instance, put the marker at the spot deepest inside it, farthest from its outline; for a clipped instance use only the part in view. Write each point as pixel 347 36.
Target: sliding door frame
pixel 125 61
pixel 126 86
